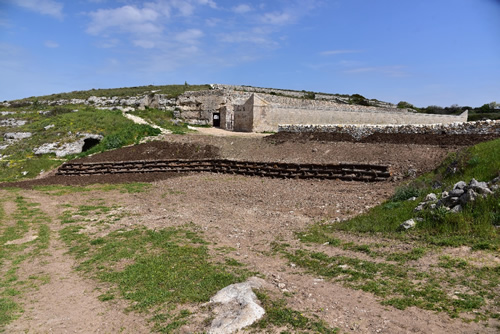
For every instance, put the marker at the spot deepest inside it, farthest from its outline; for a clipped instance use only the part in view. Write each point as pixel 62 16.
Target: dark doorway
pixel 216 119
pixel 89 143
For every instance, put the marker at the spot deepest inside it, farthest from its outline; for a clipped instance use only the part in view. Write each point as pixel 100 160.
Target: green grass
pixel 454 285
pixel 474 225
pixel 279 315
pixel 163 119
pixel 403 286
pixel 116 130
pixel 154 269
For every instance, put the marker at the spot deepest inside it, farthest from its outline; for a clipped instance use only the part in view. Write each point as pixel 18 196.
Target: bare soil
pixel 242 214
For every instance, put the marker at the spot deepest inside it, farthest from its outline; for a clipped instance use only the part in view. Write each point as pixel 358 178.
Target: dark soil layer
pixel 156 150
pixel 418 139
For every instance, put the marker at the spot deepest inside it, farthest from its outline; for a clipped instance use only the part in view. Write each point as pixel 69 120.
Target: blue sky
pixel 426 52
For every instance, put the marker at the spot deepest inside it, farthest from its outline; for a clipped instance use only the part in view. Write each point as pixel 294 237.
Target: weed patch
pixel 165 268
pixel 279 315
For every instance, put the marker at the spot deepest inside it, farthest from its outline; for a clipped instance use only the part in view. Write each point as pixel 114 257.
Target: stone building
pixel 265 112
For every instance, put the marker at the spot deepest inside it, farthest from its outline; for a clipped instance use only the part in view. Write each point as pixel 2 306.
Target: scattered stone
pixel 430 197
pixel 12 122
pixel 411 199
pixel 477 185
pixel 16 135
pixel 236 307
pixel 420 207
pixel 49 126
pixel 469 196
pixel 460 185
pixel 456 192
pixel 457 208
pixel 410 223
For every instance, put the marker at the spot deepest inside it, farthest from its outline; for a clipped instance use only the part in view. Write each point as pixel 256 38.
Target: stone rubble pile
pixel 359 132
pixel 454 200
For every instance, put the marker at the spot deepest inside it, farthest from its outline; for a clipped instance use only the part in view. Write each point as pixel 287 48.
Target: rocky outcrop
pixel 75 147
pixel 16 135
pixel 12 122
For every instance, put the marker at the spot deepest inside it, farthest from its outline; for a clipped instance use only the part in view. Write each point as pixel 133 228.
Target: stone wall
pixel 269 111
pixel 244 116
pixel 359 132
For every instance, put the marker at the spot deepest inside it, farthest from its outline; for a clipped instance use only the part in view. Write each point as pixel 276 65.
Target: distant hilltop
pixel 245 108
pixel 173 91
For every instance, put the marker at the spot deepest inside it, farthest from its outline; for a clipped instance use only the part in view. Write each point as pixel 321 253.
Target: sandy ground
pixel 246 214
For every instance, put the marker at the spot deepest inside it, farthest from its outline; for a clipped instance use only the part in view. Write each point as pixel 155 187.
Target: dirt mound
pixel 156 150
pixel 418 139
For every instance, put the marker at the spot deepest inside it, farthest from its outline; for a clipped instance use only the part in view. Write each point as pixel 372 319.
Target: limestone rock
pixel 410 223
pixel 16 135
pixel 460 185
pixel 66 148
pixel 12 122
pixel 236 307
pixel 456 192
pixel 430 197
pixel 469 196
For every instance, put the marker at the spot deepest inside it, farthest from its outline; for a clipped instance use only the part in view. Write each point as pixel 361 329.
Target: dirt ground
pixel 244 213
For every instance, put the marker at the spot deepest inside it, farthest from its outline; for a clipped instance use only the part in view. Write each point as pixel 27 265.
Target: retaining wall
pixel 358 132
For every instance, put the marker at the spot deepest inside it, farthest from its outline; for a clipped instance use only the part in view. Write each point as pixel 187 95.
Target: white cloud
pixel 45 7
pixel 392 71
pixel 212 22
pixel 338 52
pixel 108 43
pixel 209 3
pixel 248 37
pixel 189 36
pixel 124 19
pixel 51 44
pixel 277 18
pixel 146 44
pixel 242 9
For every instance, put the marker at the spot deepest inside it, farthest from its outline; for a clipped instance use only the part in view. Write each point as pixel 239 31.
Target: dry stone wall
pixel 359 132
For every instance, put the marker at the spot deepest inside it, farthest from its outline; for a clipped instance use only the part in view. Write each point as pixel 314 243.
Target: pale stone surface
pixel 16 135
pixel 62 150
pixel 406 225
pixel 430 197
pixel 236 307
pixel 360 131
pixel 12 122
